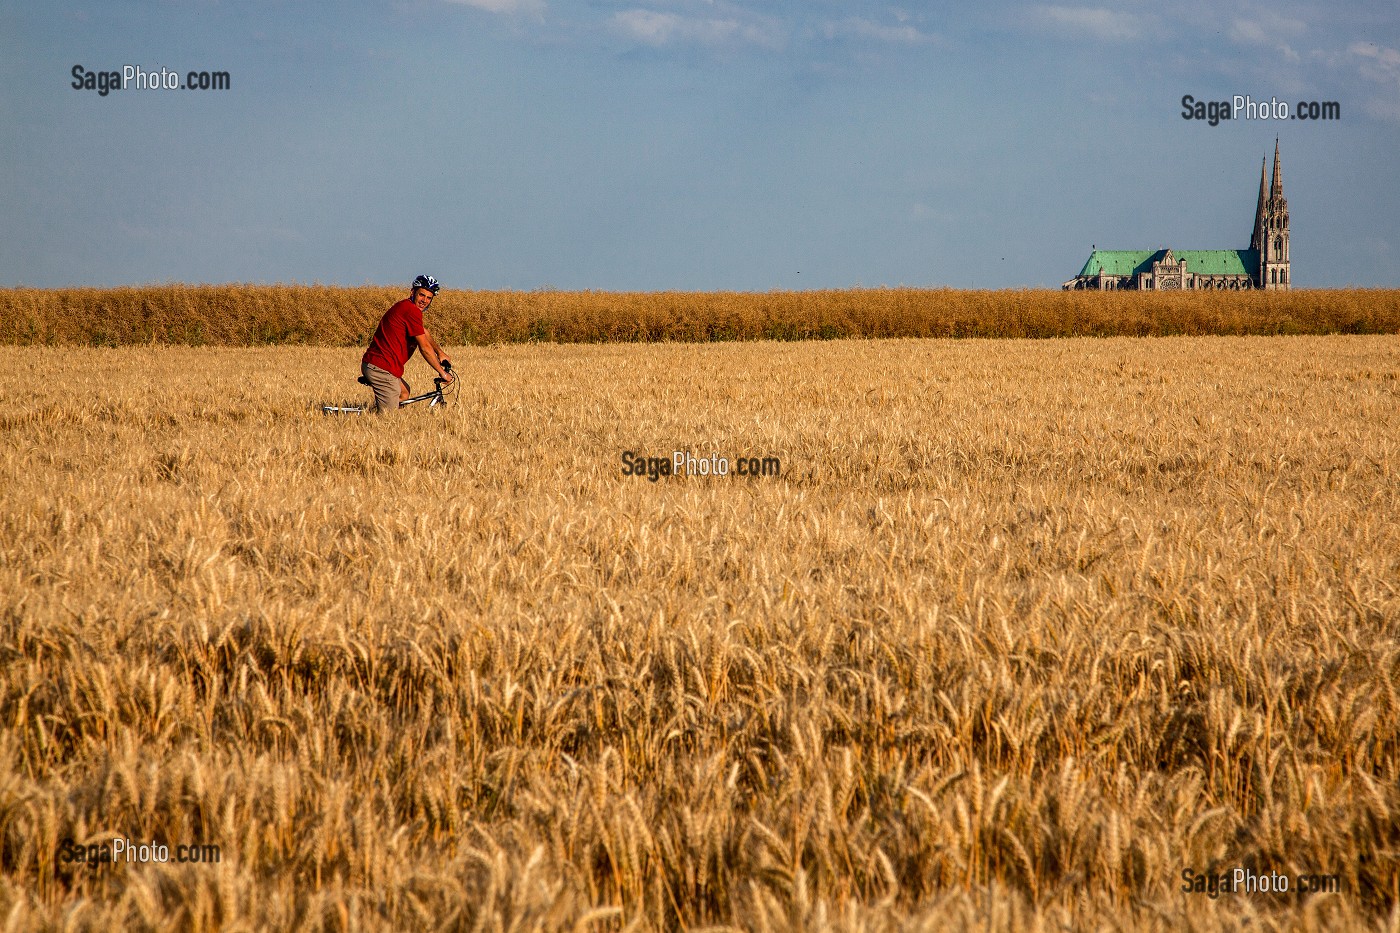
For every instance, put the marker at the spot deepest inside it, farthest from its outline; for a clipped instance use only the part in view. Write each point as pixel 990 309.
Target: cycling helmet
pixel 428 282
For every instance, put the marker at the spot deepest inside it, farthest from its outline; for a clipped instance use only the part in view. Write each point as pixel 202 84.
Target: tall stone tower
pixel 1271 230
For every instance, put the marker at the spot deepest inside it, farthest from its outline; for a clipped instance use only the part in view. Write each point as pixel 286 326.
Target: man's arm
pixel 429 348
pixel 442 356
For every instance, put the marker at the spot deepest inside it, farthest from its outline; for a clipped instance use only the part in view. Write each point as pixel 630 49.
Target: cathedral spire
pixel 1276 191
pixel 1257 240
pixel 1273 255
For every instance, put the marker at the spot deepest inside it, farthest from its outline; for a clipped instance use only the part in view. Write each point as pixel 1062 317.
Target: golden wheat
pixel 243 315
pixel 1023 630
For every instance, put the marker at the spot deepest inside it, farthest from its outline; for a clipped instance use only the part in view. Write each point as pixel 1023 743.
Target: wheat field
pixel 1021 632
pixel 323 315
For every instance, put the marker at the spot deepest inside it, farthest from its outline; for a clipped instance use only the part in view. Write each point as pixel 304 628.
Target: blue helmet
pixel 428 282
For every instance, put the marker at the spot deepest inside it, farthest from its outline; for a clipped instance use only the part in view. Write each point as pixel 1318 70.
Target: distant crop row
pixel 242 315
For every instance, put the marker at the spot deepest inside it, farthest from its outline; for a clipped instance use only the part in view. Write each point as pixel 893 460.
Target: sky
pixel 685 144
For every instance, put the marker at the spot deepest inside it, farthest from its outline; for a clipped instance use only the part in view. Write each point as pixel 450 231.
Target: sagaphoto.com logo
pixel 1244 107
pixel 134 77
pixel 684 463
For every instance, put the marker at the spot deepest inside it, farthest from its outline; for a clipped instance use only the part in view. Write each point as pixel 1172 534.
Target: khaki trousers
pixel 386 386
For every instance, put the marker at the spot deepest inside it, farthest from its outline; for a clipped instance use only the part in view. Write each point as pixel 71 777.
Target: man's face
pixel 422 298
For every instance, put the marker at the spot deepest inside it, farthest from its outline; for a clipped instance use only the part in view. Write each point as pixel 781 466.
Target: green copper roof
pixel 1118 261
pixel 1198 261
pixel 1220 261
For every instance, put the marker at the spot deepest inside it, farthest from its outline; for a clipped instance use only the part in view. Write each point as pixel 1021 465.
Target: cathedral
pixel 1263 265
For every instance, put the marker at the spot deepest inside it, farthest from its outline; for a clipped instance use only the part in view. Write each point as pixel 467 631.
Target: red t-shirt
pixel 389 348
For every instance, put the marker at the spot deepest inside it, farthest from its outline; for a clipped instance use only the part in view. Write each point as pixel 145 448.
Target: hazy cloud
pixel 1270 30
pixel 1380 62
pixel 1381 65
pixel 1094 22
pixel 508 7
pixel 728 27
pixel 855 27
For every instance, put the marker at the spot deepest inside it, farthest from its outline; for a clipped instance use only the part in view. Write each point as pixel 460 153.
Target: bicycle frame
pixel 433 398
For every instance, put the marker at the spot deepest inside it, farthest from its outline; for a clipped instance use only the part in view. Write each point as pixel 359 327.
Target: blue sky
pixel 685 144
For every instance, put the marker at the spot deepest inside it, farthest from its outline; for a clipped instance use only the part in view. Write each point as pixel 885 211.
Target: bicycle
pixel 437 397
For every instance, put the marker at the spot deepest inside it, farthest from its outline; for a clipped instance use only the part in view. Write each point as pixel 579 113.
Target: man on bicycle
pixel 400 331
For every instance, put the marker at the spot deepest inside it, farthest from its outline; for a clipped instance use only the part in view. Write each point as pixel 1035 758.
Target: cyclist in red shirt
pixel 401 331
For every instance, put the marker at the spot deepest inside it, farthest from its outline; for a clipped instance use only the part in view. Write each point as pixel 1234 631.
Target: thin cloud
pixel 506 7
pixel 855 27
pixel 1381 65
pixel 655 28
pixel 1094 22
pixel 1269 30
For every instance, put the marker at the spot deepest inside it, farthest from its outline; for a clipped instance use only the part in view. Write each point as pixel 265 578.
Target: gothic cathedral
pixel 1263 265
